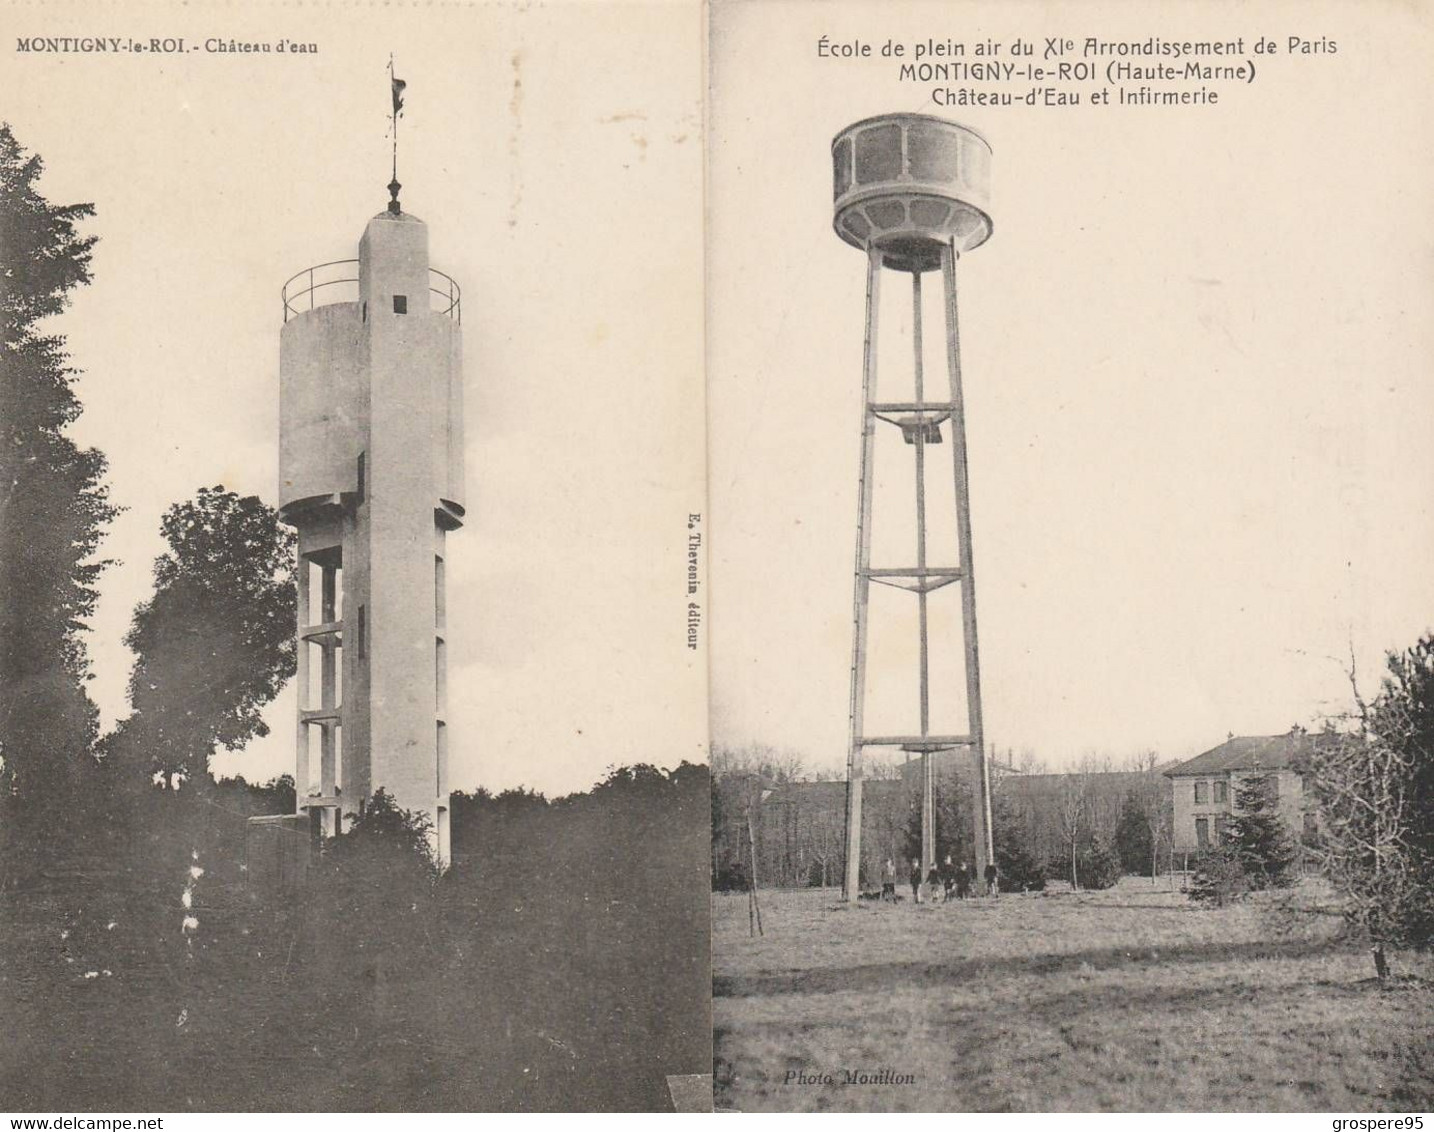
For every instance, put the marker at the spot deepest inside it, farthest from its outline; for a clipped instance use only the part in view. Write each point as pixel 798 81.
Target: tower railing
pixel 337 282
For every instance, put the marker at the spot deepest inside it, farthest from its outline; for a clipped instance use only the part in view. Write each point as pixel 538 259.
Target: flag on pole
pixel 398 86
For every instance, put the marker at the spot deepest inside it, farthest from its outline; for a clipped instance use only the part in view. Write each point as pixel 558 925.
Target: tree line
pixel 1086 827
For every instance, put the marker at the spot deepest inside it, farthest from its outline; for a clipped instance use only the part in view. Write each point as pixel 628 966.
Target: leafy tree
pixel 1375 790
pixel 1259 835
pixel 53 511
pixel 216 641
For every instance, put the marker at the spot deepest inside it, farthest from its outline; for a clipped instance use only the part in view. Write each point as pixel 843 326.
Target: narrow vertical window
pixel 400 304
pixel 441 762
pixel 440 611
pixel 362 634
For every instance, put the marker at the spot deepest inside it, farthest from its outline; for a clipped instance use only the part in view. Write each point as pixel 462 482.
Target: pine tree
pixel 1018 867
pixel 1132 836
pixel 1219 877
pixel 1099 864
pixel 1260 838
pixel 951 803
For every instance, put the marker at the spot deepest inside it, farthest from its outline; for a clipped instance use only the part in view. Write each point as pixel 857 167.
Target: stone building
pixel 1205 787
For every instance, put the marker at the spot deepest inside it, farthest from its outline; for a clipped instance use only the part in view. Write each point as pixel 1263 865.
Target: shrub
pixel 1019 870
pixel 1219 877
pixel 1098 865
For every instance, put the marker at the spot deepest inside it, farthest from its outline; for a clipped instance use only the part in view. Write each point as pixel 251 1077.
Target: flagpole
pixel 396 105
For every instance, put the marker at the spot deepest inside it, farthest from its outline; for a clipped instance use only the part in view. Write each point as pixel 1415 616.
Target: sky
pixel 1197 374
pixel 561 186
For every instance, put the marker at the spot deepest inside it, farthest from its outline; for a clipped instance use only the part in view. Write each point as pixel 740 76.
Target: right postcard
pixel 1072 679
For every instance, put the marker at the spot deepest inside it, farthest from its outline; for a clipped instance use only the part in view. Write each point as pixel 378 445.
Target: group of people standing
pixel 944 881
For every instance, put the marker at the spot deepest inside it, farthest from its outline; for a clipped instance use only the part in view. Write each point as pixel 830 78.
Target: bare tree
pixel 1026 761
pixel 1156 799
pixel 1375 788
pixel 824 841
pixel 1102 804
pixel 1072 802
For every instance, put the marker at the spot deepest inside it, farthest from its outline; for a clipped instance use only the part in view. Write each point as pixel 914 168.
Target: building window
pixel 1222 791
pixel 362 476
pixel 1202 833
pixel 400 304
pixel 1202 793
pixel 1222 828
pixel 362 634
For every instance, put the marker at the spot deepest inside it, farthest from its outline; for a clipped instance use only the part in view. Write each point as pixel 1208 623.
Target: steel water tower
pixel 371 476
pixel 911 191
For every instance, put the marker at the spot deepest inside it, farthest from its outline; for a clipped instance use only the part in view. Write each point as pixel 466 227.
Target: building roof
pixel 1246 752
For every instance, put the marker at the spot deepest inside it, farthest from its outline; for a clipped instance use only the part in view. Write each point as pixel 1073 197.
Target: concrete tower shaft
pixel 371 476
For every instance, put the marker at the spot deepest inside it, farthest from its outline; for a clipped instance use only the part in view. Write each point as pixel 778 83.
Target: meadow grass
pixel 1131 999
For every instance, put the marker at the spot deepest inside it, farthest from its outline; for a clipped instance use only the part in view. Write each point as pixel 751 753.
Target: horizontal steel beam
pixel 914 572
pixel 920 742
pixel 910 406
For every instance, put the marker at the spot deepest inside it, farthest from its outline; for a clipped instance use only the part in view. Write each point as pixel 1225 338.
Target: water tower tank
pixel 908 184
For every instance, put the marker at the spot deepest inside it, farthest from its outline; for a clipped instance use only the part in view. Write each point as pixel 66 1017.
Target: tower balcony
pixel 338 282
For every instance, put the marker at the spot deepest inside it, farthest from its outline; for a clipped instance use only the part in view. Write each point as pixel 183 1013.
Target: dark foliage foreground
pixel 562 963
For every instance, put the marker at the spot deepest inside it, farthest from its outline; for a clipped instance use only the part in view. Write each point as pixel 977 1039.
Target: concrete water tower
pixel 371 477
pixel 911 191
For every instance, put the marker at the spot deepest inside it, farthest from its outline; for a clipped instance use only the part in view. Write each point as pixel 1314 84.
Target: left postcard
pixel 353 734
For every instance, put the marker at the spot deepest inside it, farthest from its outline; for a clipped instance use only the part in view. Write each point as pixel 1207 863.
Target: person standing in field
pixel 916 880
pixel 993 880
pixel 933 883
pixel 948 876
pixel 963 881
pixel 888 881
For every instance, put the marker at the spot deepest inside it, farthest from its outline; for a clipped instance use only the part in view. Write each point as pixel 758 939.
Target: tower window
pixel 362 633
pixel 362 470
pixel 400 304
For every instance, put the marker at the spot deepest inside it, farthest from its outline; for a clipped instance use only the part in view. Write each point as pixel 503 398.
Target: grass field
pixel 1130 999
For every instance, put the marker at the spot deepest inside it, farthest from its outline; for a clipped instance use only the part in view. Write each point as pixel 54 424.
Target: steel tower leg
pixel 982 809
pixel 928 811
pixel 851 879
